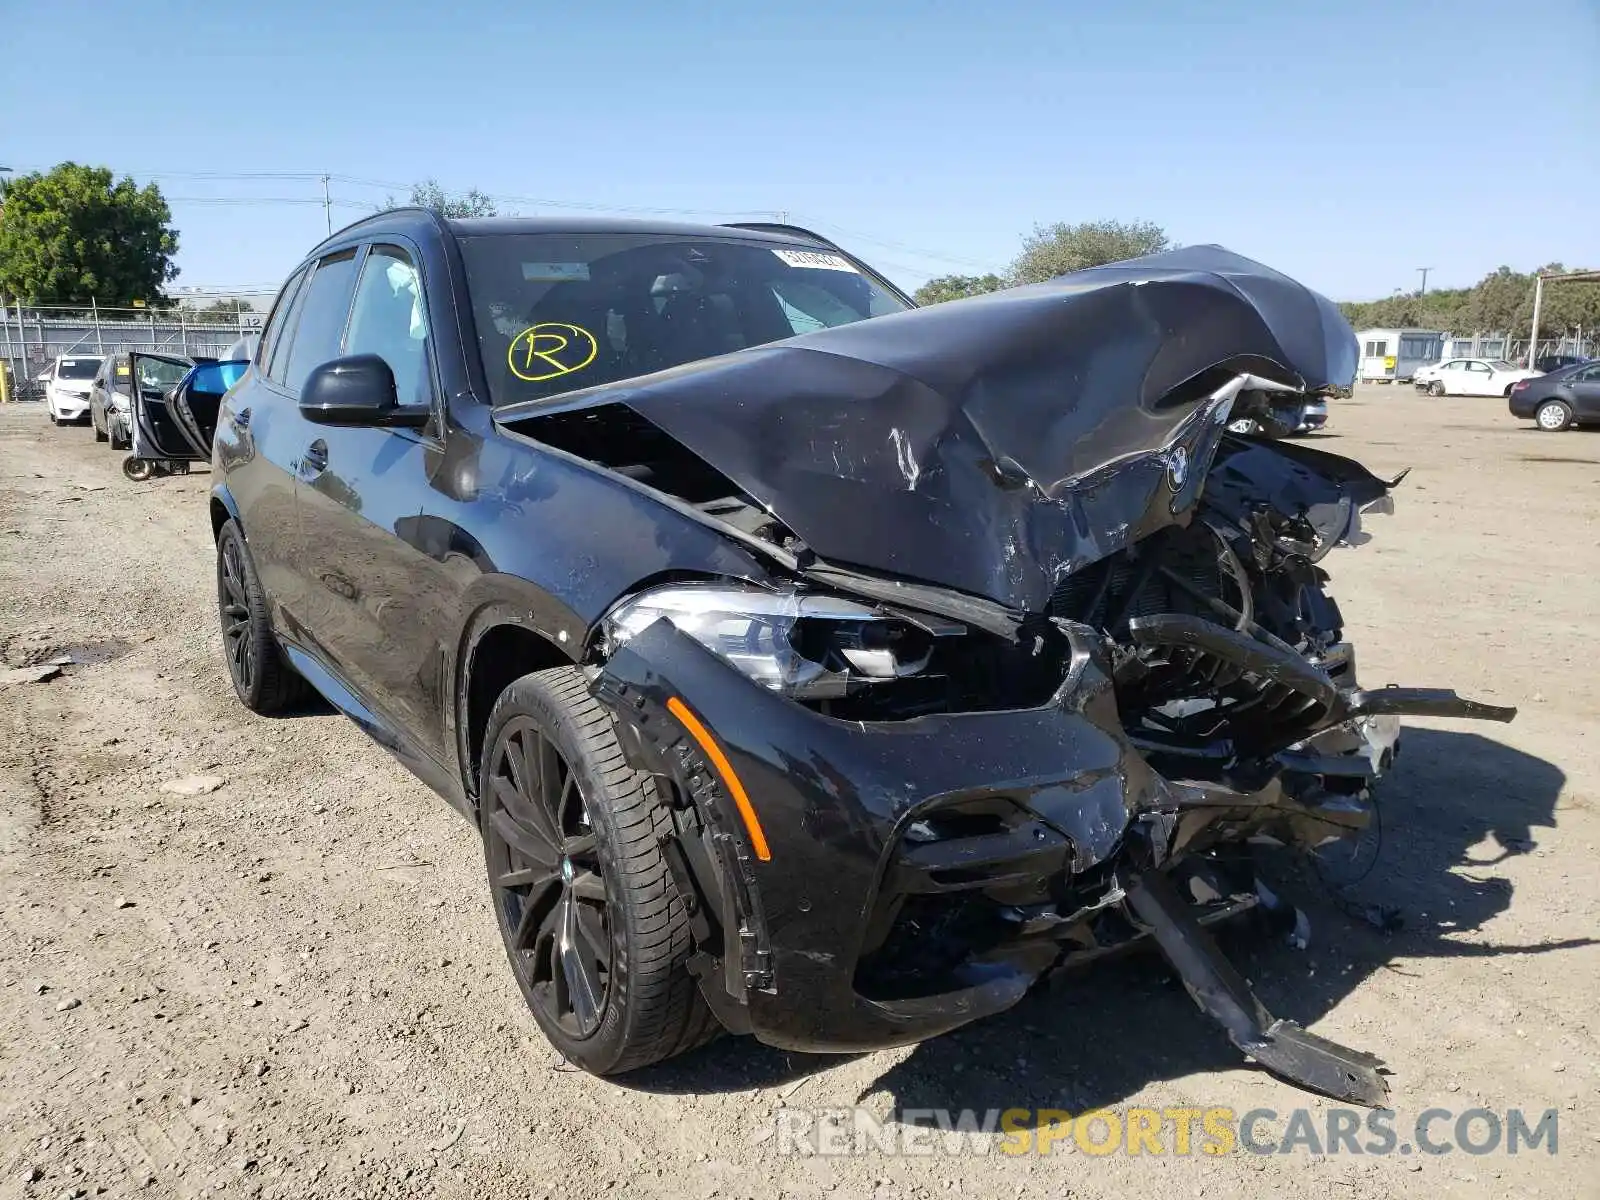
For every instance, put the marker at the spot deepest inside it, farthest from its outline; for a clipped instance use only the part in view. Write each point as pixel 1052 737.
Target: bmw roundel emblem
pixel 1178 467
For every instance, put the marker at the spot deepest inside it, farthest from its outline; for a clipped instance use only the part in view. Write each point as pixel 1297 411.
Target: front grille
pixel 1138 582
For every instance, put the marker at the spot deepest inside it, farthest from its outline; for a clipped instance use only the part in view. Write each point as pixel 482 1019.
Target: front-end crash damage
pixel 1044 648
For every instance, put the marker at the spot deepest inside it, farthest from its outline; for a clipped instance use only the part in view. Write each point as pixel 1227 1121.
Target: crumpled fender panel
pixel 1000 442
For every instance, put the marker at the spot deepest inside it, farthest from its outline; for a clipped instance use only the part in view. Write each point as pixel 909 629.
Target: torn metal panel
pixel 1283 1047
pixel 1000 442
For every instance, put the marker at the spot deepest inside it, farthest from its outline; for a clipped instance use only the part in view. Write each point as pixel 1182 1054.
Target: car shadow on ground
pixel 1097 1036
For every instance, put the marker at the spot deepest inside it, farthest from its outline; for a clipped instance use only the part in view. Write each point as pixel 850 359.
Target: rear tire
pixel 100 435
pixel 1553 417
pixel 592 922
pixel 262 678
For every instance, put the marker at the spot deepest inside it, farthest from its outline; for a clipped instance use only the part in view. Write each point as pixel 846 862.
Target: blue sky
pixel 1347 145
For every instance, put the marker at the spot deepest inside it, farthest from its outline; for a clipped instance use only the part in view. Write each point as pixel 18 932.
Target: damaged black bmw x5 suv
pixel 813 665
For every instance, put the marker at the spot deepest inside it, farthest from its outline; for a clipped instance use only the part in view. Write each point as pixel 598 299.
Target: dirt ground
pixel 292 986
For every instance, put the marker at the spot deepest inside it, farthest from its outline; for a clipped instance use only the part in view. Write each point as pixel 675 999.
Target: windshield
pixel 1501 364
pixel 159 374
pixel 77 368
pixel 557 312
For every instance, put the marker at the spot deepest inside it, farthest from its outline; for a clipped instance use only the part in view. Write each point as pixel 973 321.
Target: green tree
pixel 428 194
pixel 1442 309
pixel 75 235
pixel 957 287
pixel 1052 250
pixel 1500 302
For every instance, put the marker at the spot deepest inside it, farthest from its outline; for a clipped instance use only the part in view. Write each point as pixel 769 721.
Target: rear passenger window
pixel 388 319
pixel 317 327
pixel 272 336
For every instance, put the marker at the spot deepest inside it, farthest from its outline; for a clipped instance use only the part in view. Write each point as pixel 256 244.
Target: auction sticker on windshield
pixel 817 260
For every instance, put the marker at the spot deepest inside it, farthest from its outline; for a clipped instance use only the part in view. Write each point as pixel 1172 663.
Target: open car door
pixel 157 434
pixel 194 403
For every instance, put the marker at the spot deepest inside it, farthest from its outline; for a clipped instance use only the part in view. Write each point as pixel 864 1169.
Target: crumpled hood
pixel 995 445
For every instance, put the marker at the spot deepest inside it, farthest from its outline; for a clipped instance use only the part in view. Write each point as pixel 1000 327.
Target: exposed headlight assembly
pixel 807 645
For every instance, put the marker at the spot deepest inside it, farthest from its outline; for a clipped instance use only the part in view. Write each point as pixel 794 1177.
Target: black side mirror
pixel 358 390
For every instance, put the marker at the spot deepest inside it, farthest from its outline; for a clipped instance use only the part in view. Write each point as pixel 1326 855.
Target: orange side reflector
pixel 752 824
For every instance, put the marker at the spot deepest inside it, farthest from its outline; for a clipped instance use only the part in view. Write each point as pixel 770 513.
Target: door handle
pixel 315 459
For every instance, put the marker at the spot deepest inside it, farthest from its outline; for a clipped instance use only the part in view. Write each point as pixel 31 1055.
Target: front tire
pixel 262 678
pixel 592 922
pixel 1435 388
pixel 1553 417
pixel 100 435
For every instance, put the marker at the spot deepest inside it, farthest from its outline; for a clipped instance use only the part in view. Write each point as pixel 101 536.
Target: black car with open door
pixel 174 411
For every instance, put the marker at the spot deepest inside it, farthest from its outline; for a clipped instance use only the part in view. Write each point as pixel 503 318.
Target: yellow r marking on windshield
pixel 549 350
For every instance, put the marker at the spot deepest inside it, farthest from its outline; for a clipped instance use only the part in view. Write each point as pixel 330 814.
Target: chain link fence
pixel 31 339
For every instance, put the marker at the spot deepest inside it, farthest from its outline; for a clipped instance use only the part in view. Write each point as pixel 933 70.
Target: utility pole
pixel 327 204
pixel 1533 334
pixel 1424 271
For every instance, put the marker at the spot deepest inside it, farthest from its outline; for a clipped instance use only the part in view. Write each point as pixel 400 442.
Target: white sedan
pixel 66 396
pixel 1471 377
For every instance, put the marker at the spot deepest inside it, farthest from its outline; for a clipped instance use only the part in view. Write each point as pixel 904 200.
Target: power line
pixel 328 202
pixel 246 200
pixel 902 246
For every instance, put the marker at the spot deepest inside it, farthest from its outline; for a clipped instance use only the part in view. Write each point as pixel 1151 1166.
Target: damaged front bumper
pixel 863 821
pixel 884 882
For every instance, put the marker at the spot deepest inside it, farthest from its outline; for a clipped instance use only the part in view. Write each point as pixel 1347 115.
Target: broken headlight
pixel 806 645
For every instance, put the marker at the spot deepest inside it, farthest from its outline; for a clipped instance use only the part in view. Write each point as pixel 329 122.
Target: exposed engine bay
pixel 946 541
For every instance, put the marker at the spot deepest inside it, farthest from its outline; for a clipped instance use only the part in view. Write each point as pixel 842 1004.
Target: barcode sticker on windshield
pixel 816 260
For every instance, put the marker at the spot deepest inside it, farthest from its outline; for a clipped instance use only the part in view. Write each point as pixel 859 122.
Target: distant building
pixel 1393 355
pixel 1478 345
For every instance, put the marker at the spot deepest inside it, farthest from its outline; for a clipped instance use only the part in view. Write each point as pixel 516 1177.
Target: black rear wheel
pixel 262 679
pixel 597 935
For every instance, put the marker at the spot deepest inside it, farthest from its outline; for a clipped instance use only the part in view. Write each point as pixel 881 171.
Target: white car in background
pixel 1471 377
pixel 66 395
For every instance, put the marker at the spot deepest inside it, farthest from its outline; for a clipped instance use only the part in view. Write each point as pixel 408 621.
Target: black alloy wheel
pixel 593 924
pixel 262 679
pixel 550 893
pixel 237 643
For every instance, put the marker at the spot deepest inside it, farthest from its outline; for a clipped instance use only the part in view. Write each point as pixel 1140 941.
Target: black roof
pixel 478 226
pixel 401 219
